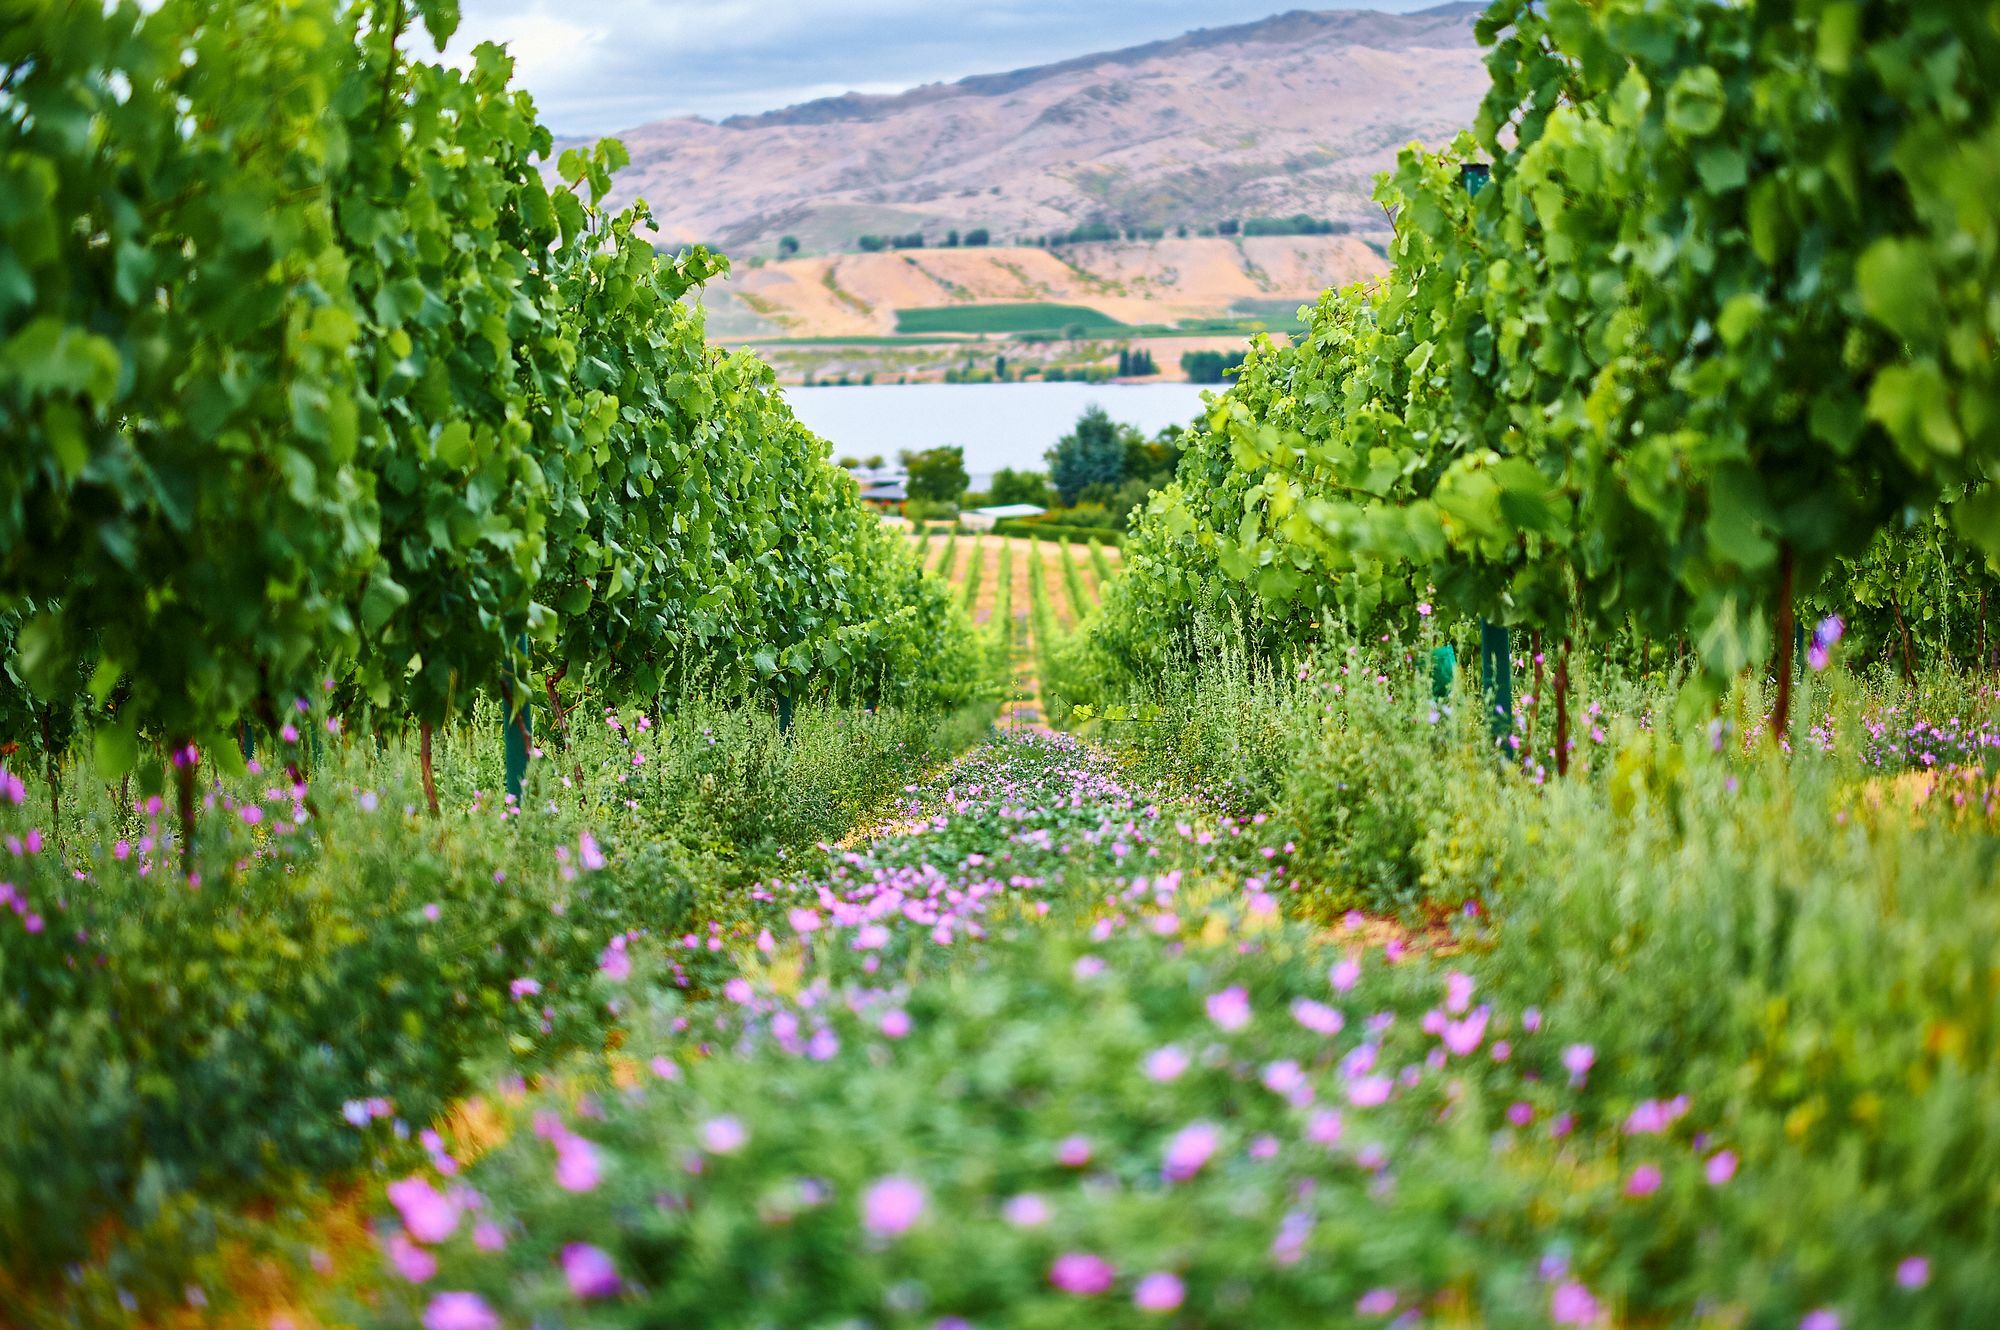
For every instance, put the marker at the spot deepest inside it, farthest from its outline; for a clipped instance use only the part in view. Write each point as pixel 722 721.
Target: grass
pixel 1011 318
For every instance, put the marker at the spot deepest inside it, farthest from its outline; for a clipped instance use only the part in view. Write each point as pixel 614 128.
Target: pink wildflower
pixel 1025 1211
pixel 427 1213
pixel 1081 1273
pixel 723 1135
pixel 1230 1008
pixel 590 1271
pixel 1188 1150
pixel 411 1261
pixel 1579 1059
pixel 460 1311
pixel 1317 1016
pixel 579 1166
pixel 1376 1302
pixel 1572 1304
pixel 891 1206
pixel 1158 1292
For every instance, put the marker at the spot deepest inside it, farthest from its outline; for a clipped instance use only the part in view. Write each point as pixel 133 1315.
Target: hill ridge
pixel 1289 25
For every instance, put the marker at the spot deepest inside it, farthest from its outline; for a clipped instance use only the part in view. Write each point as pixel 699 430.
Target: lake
pixel 998 424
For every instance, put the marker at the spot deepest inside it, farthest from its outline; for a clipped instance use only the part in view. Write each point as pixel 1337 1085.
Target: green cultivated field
pixel 1024 318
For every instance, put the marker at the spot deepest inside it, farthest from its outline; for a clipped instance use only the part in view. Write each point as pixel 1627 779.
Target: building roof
pixel 1006 510
pixel 892 493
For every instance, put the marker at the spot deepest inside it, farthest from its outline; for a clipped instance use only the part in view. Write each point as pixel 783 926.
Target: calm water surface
pixel 998 424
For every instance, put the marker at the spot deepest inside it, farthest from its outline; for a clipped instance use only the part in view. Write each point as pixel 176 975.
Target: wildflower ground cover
pixel 189 1062
pixel 1063 1049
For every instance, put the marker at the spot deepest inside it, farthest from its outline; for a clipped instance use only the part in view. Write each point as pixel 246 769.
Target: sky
pixel 596 66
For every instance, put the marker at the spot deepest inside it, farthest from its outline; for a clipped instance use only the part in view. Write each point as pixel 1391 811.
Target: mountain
pixel 1292 114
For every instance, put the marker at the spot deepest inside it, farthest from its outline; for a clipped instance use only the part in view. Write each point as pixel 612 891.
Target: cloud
pixel 596 66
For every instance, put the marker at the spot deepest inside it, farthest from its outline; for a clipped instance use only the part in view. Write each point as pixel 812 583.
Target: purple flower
pixel 1081 1273
pixel 1158 1292
pixel 1821 1318
pixel 1458 992
pixel 1073 1151
pixel 1913 1272
pixel 460 1311
pixel 587 852
pixel 891 1206
pixel 1721 1167
pixel 1165 1064
pixel 589 1271
pixel 1344 974
pixel 524 987
pixel 895 1023
pixel 428 1214
pixel 615 964
pixel 1188 1150
pixel 1230 1008
pixel 1645 1180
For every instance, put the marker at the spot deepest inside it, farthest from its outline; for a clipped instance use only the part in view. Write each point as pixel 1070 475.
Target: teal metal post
pixel 520 730
pixel 1496 678
pixel 1444 671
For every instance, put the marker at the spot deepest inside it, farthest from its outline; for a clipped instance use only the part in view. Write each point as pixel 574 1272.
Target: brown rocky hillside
pixel 1292 114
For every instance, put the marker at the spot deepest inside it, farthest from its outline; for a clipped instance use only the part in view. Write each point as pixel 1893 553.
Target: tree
pixel 978 235
pixel 787 246
pixel 937 475
pixel 951 239
pixel 1011 486
pixel 1091 454
pixel 1210 366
